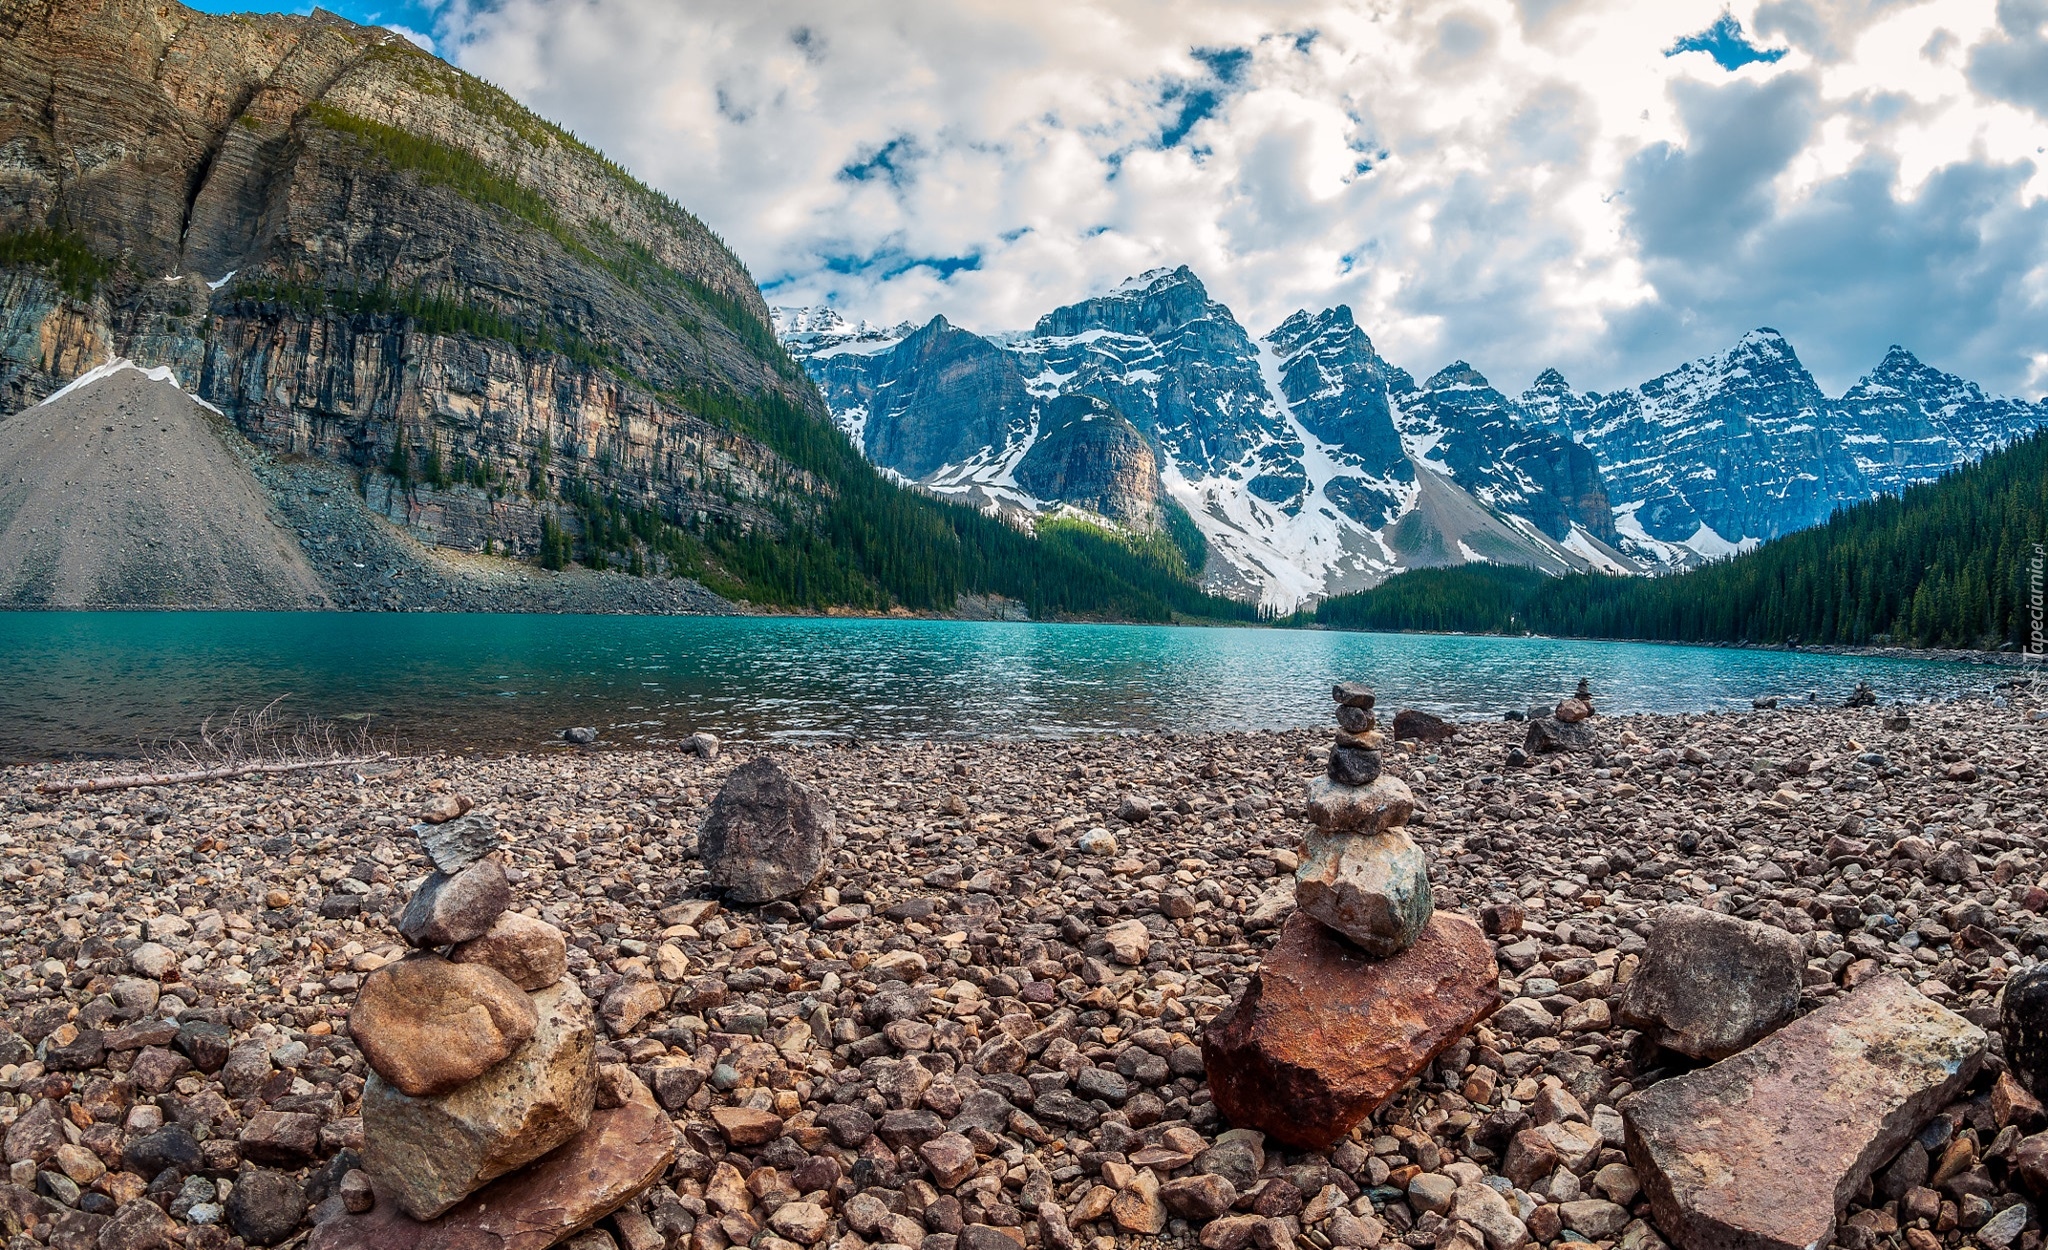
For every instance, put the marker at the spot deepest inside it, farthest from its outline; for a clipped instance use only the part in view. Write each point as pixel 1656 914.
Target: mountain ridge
pixel 1316 467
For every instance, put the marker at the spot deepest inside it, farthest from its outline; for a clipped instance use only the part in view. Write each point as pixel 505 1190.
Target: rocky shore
pixel 978 1022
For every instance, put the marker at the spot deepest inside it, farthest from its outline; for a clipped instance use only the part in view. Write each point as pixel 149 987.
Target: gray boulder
pixel 1711 985
pixel 456 907
pixel 1548 735
pixel 766 835
pixel 1372 889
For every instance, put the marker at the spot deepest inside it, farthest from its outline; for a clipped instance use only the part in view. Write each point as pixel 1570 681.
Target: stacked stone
pixel 483 1057
pixel 1362 874
pixel 1367 982
pixel 1567 727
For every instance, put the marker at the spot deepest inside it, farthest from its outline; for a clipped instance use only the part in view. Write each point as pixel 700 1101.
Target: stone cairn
pixel 485 1113
pixel 1566 727
pixel 1367 982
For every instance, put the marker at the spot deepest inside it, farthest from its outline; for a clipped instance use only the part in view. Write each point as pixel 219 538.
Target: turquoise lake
pixel 102 682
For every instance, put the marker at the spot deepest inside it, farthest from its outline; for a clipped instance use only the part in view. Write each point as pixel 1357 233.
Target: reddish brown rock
pixel 1323 1035
pixel 621 1153
pixel 531 953
pixel 1762 1150
pixel 427 1025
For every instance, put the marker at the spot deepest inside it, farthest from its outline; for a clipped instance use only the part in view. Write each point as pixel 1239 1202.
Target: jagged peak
pixel 1457 375
pixel 1161 276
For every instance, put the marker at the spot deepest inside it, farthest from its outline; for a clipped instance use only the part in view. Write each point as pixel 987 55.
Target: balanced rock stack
pixel 481 1112
pixel 1367 982
pixel 1569 726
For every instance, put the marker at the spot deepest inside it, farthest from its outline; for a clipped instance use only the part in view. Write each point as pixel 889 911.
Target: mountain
pixel 367 259
pixel 1312 466
pixel 1303 459
pixel 1949 563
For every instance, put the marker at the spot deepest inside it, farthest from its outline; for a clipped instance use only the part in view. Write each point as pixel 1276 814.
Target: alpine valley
pixel 1312 466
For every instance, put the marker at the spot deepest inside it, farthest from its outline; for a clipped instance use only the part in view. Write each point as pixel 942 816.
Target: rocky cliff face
pixel 1088 455
pixel 361 254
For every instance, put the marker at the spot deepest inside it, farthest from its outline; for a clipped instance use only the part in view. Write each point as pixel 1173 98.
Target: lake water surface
pixel 102 682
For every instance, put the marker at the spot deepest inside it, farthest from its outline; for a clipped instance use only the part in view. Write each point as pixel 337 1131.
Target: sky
pixel 1610 187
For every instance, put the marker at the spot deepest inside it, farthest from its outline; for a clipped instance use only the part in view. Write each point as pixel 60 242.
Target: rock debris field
pixel 1763 981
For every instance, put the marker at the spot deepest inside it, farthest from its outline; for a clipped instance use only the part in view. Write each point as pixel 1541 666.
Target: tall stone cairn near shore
pixel 1367 982
pixel 482 1119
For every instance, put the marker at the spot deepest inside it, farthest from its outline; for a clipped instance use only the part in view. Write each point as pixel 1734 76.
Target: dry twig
pixel 246 744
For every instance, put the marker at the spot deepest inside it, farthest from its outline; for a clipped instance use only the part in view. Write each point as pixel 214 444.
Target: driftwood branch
pixel 129 782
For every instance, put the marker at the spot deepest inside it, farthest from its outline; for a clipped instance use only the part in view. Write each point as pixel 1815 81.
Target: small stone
pixel 1134 810
pixel 442 808
pixel 428 1026
pixel 1572 711
pixel 1376 808
pixel 1411 725
pixel 747 1126
pixel 456 844
pixel 152 960
pixel 1482 1207
pixel 630 1002
pixel 286 1139
pixel 1372 889
pixel 171 1147
pixel 1594 1219
pixel 266 1207
pixel 138 1224
pixel 1432 1191
pixel 1353 694
pixel 705 746
pixel 455 908
pixel 1097 841
pixel 531 954
pixel 1128 941
pixel 766 835
pixel 1742 1153
pixel 1203 1196
pixel 1323 1034
pixel 2004 1228
pixel 430 1152
pixel 356 1192
pixel 581 735
pixel 950 1157
pixel 1352 767
pixel 1710 985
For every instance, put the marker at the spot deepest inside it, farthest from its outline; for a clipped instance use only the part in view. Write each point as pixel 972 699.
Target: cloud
pixel 1520 183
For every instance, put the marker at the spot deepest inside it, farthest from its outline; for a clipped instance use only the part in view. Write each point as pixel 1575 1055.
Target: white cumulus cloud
pixel 1517 184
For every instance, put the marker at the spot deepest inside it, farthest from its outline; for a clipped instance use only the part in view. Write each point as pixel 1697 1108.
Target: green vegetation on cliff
pixel 874 545
pixel 65 256
pixel 1946 565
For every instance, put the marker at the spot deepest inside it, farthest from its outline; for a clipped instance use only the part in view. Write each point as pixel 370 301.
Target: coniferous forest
pixel 1950 564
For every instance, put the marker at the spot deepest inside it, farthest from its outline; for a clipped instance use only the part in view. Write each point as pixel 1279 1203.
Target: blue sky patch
pixel 414 15
pixel 891 163
pixel 1725 42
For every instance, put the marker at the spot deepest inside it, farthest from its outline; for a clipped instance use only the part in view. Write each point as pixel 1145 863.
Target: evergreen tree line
pixel 874 545
pixel 1948 564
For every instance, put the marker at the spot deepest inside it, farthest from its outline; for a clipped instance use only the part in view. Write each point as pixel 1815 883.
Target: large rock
pixel 430 1153
pixel 456 844
pixel 1385 804
pixel 1548 735
pixel 1762 1150
pixel 1710 984
pixel 621 1153
pixel 449 908
pixel 427 1025
pixel 1422 727
pixel 1372 889
pixel 766 835
pixel 1324 1034
pixel 2023 1019
pixel 532 954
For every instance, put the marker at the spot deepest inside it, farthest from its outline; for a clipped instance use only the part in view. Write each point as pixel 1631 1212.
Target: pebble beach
pixel 982 1027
